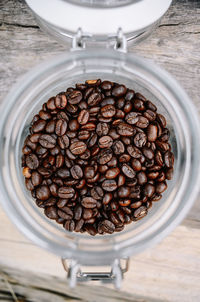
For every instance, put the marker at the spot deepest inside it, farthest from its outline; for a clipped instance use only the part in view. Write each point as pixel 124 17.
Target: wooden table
pixel 171 270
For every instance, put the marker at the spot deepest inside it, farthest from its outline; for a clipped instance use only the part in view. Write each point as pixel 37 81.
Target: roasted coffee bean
pixel 142 178
pixel 142 122
pixel 140 140
pixel 125 129
pixel 105 142
pixel 128 171
pixel 124 192
pixel 161 187
pixel 108 111
pixel 106 85
pixel 119 90
pixel 43 192
pixel 94 99
pixel 97 193
pixel 152 131
pixel 150 115
pixel 36 178
pixel 136 164
pixel 149 190
pixel 76 172
pixel 169 173
pixel 134 151
pixel 61 101
pixel 140 212
pixel 169 159
pixel 61 127
pixel 96 157
pixel 78 148
pixel 38 126
pixel 66 192
pixel 148 153
pixel 132 118
pixel 51 212
pixel 32 161
pixel 89 202
pixel 138 105
pixel 69 225
pixel 109 185
pixel 47 141
pixel 74 97
pixel 161 120
pixel 112 173
pixel 107 226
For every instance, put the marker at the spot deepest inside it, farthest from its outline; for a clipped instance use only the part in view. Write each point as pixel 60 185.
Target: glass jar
pixel 55 75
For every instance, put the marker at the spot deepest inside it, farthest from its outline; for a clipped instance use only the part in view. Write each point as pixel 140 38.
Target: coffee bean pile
pixel 97 156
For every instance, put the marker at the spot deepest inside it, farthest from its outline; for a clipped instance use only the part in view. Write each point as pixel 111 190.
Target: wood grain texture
pixel 171 270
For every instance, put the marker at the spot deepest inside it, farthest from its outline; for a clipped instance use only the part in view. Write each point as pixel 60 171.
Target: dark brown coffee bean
pixel 74 97
pixel 69 225
pixel 142 122
pixel 164 137
pixel 62 202
pixel 158 158
pixel 61 101
pixel 94 99
pixel 47 141
pixel 125 129
pixel 161 120
pixel 124 158
pixel 169 159
pixel 61 127
pixel 78 147
pixel 36 178
pixel 134 151
pixel 152 131
pixel 149 190
pixel 104 156
pixel 38 126
pixel 161 187
pixel 124 192
pixel 140 212
pixel 121 180
pixel 161 177
pixel 118 147
pixel 107 198
pixel 140 140
pixel 162 146
pixel 34 138
pixel 26 150
pixel 119 90
pixel 50 127
pixel 107 226
pixel 132 118
pixel 66 192
pixel 106 85
pixel 43 192
pixel 142 178
pixel 148 153
pixel 119 114
pixel 76 172
pixel 32 161
pixel 136 164
pixel 151 106
pixel 90 229
pixel 150 115
pixel 108 111
pixel 51 212
pixel 105 142
pixel 128 171
pixel 29 184
pixel 89 202
pixel 97 193
pixel 102 129
pixel 109 185
pixel 138 105
pixel 169 173
pixel 51 104
pixel 153 175
pixel 112 173
pixel 156 197
pixel 83 117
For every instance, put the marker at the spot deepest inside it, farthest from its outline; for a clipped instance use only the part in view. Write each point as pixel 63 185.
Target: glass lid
pixel 98 19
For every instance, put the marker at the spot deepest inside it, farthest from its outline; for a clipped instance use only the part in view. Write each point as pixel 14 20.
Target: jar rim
pixel 168 223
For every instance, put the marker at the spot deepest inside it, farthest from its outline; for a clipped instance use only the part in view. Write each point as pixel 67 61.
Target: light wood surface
pixel 171 270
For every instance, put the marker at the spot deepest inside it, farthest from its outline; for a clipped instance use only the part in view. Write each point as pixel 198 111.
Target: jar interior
pixel 47 81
